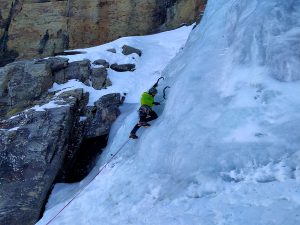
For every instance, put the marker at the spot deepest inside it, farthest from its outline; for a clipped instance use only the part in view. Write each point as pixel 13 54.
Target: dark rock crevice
pixel 160 14
pixel 43 42
pixel 85 159
pixel 7 55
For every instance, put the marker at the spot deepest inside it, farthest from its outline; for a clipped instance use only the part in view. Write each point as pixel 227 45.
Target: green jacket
pixel 147 99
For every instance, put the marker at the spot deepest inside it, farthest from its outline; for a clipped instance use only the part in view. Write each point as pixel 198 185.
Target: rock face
pixel 24 83
pixel 40 144
pixel 28 81
pixel 107 112
pixel 42 28
pixel 75 70
pixel 37 146
pixel 31 157
pixel 98 78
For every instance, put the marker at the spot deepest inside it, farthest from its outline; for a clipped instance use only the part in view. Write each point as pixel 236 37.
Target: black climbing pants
pixel 144 117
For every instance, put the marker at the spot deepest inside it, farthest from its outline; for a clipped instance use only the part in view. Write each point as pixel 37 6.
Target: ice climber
pixel 146 113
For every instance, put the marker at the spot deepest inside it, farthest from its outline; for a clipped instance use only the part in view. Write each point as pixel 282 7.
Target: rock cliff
pixel 36 28
pixel 43 143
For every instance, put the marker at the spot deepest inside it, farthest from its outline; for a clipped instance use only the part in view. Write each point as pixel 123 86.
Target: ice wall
pixel 228 107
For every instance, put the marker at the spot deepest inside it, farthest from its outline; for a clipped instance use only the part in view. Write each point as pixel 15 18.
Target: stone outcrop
pixel 28 82
pixel 38 146
pixel 99 78
pixel 112 50
pixel 24 83
pixel 123 67
pixel 41 145
pixel 107 111
pixel 101 62
pixel 127 50
pixel 43 28
pixel 79 70
pixel 56 63
pixel 32 149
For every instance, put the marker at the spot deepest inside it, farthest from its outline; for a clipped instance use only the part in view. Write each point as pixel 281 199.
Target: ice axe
pixel 155 85
pixel 165 91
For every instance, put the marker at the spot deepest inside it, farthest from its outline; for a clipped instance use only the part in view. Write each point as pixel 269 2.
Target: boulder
pixel 127 50
pixel 76 95
pixel 122 67
pixel 59 77
pixel 79 70
pixel 25 82
pixel 69 52
pixel 108 101
pixel 58 63
pixel 112 50
pixel 22 83
pixel 6 74
pixel 101 62
pixel 107 83
pixel 55 63
pixel 106 112
pixel 98 77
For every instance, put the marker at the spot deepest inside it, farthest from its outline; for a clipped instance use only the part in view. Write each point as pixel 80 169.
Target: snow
pixel 225 148
pixel 82 118
pixel 157 51
pixel 11 129
pixel 50 105
pixel 14 129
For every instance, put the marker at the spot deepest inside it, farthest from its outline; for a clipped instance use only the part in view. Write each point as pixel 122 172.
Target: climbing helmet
pixel 152 91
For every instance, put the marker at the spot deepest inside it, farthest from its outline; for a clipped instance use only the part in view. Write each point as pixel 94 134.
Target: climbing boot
pixel 144 124
pixel 133 136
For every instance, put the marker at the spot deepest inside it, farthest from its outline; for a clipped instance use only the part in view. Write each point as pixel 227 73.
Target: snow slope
pixel 157 51
pixel 225 149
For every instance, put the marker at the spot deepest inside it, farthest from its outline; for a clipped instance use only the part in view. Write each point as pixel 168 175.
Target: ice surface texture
pixel 267 33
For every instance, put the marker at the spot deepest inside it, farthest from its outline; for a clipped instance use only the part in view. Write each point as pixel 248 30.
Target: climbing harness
pixel 80 191
pixel 144 109
pixel 165 91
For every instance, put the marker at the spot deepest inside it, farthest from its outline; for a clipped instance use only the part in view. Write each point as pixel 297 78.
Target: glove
pixel 156 103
